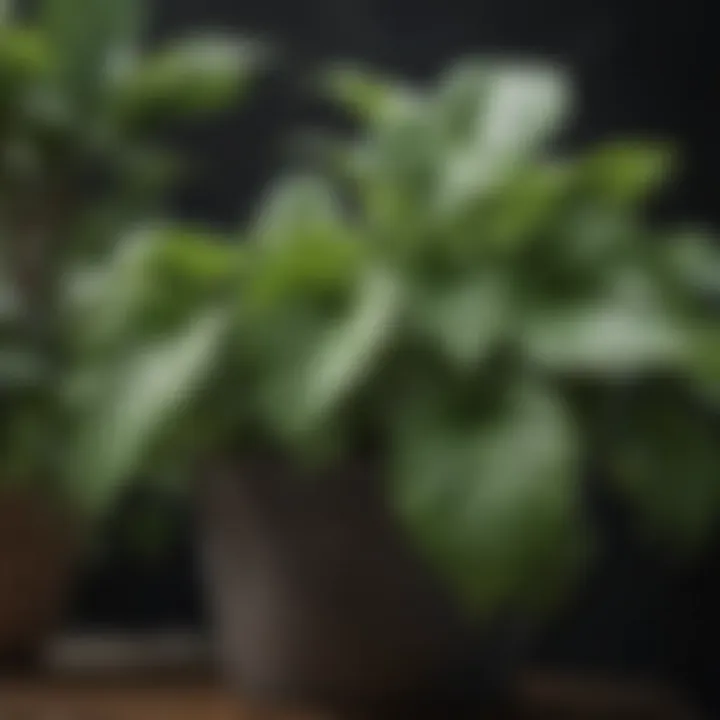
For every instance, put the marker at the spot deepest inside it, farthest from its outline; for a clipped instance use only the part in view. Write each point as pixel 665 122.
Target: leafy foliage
pixel 82 168
pixel 551 263
pixel 435 299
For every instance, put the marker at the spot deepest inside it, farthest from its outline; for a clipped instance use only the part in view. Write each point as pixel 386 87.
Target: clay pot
pixel 35 567
pixel 318 601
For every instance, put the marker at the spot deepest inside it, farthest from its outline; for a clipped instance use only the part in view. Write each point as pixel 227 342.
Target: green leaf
pixel 369 96
pixel 351 350
pixel 694 259
pixel 105 302
pixel 92 41
pixel 20 368
pixel 493 504
pixel 308 383
pixel 666 460
pixel 153 282
pixel 141 400
pixel 523 108
pixel 705 361
pixel 297 206
pixel 605 338
pixel 517 214
pixel 460 98
pixel 23 56
pixel 468 319
pixel 308 261
pixel 196 75
pixel 526 107
pixel 628 172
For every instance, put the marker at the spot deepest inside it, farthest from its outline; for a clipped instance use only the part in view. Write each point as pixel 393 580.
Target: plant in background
pixel 477 314
pixel 83 159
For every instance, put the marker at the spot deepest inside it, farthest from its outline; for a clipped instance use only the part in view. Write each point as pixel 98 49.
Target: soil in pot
pixel 319 602
pixel 36 555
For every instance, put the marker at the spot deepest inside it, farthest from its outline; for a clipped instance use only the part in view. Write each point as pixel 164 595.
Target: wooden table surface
pixel 192 698
pixel 186 691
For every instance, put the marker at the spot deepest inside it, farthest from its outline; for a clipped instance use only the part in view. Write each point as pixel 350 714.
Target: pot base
pixel 35 567
pixel 320 602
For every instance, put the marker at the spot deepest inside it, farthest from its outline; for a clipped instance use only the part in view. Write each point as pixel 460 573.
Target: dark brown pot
pixel 35 568
pixel 318 601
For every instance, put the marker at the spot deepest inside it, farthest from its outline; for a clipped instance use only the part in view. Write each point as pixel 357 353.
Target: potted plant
pixel 392 387
pixel 83 155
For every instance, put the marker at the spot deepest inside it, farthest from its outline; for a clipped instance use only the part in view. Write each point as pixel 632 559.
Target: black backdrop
pixel 643 67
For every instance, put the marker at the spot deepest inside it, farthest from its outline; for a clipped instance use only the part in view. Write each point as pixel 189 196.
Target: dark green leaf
pixel 468 319
pixel 92 41
pixel 493 505
pixel 667 461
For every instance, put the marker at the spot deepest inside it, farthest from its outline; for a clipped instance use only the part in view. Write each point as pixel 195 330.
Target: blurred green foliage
pixel 84 159
pixel 482 315
pixel 486 317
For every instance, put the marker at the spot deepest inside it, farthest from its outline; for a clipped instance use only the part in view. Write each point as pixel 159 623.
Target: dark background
pixel 642 68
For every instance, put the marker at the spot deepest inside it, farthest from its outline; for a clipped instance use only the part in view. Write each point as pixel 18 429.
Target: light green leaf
pixel 308 384
pixel 192 76
pixel 305 262
pixel 460 98
pixel 352 349
pixel 106 301
pixel 23 55
pixel 370 97
pixel 141 401
pixel 605 338
pixel 628 172
pixel 297 206
pixel 524 107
